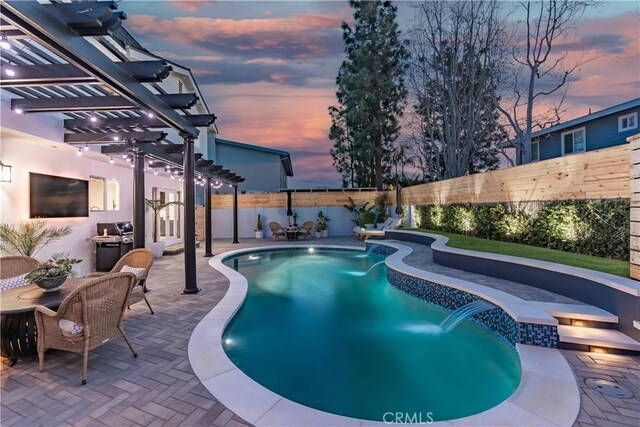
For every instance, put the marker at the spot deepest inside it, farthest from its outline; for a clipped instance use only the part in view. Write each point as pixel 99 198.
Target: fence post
pixel 634 240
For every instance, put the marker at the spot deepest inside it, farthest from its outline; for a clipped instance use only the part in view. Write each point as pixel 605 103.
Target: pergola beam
pixel 198 120
pixel 101 138
pixel 69 74
pixel 96 103
pixel 48 30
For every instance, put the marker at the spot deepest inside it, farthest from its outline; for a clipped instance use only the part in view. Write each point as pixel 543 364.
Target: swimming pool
pixel 317 331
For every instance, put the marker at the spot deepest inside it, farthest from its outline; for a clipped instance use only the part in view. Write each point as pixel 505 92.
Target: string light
pixel 111 160
pixel 86 147
pixel 4 43
pixel 116 138
pixel 93 118
pixel 150 115
pixel 79 152
pixel 10 72
pixel 18 111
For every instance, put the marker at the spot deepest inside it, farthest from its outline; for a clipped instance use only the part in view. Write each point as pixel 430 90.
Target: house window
pixel 104 195
pixel 628 122
pixel 96 194
pixel 535 151
pixel 113 195
pixel 573 141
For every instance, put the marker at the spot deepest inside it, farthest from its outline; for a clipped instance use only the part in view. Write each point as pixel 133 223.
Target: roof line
pixel 285 157
pixel 588 117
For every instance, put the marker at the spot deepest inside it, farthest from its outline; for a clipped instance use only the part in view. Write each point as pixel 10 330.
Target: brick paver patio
pixel 159 387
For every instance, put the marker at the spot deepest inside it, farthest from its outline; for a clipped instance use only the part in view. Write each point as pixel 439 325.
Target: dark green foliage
pixel 591 227
pixel 371 95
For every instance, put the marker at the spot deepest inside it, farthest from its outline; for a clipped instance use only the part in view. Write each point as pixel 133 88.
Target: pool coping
pixel 547 394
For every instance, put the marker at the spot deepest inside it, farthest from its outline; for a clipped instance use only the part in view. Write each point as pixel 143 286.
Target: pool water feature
pixel 316 333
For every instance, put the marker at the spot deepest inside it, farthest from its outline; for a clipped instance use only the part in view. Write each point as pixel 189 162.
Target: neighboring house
pixel 264 169
pixel 605 128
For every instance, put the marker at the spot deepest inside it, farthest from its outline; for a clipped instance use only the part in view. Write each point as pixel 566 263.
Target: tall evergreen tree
pixel 371 94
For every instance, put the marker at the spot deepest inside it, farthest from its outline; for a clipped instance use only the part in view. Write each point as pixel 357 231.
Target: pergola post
pixel 207 220
pixel 138 200
pixel 190 278
pixel 235 214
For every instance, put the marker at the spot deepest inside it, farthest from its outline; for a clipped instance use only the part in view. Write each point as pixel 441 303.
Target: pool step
pixel 596 337
pixel 590 316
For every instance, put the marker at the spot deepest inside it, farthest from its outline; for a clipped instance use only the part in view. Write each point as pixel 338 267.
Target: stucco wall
pixel 27 153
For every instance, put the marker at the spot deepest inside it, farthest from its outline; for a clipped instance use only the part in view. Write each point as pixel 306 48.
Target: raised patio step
pixel 595 337
pixel 176 249
pixel 578 312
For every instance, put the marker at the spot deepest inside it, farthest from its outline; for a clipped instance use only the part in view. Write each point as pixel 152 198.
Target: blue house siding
pixel 601 132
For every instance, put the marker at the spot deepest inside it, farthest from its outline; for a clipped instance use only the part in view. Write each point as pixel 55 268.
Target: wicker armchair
pixel 277 230
pixel 98 307
pixel 307 229
pixel 11 266
pixel 137 258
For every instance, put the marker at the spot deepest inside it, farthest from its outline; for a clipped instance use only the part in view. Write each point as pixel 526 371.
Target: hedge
pixel 591 227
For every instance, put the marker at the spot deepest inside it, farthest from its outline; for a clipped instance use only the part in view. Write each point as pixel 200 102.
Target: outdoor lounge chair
pixel 138 262
pixel 277 230
pixel 380 232
pixel 307 229
pixel 87 318
pixel 13 270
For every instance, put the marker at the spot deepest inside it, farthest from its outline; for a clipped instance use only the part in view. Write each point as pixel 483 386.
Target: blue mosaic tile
pixel 294 248
pixel 380 249
pixel 539 335
pixel 497 320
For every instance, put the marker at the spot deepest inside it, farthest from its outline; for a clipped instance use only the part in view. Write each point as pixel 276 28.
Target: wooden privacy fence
pixel 320 199
pixel 299 200
pixel 592 175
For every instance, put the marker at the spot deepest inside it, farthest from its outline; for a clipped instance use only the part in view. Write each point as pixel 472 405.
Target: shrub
pixel 592 227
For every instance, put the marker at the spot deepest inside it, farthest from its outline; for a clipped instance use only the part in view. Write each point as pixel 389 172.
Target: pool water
pixel 316 330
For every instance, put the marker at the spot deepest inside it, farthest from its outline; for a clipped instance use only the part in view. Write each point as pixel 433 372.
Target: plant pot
pixel 325 233
pixel 259 234
pixel 318 234
pixel 157 248
pixel 368 226
pixel 52 284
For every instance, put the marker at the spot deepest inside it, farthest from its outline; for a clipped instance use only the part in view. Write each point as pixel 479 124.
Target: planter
pixel 259 234
pixel 157 248
pixel 318 234
pixel 325 233
pixel 52 284
pixel 368 226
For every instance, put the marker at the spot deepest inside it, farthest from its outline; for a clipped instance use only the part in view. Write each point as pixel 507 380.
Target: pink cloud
pixel 301 35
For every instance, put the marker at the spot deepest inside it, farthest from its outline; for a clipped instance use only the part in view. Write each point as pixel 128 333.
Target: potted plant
pixel 295 218
pixel 318 232
pixel 51 274
pixel 28 237
pixel 156 206
pixel 324 222
pixel 258 229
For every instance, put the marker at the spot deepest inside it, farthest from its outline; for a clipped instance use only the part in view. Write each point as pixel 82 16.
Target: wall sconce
pixel 5 173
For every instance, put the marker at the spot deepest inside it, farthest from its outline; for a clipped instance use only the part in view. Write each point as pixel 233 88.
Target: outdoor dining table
pixel 18 324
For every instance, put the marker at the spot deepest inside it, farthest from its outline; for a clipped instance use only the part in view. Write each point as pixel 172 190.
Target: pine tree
pixel 371 93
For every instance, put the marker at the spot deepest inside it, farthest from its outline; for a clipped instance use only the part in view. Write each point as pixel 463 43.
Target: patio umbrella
pixel 398 199
pixel 289 210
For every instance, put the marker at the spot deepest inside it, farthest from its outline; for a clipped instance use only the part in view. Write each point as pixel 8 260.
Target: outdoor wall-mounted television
pixel 57 197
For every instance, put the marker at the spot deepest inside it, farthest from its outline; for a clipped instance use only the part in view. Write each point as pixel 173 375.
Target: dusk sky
pixel 267 69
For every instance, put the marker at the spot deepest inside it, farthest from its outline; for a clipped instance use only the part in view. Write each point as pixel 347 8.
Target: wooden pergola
pixel 69 58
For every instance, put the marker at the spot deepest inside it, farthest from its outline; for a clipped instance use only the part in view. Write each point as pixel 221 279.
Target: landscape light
pixel 4 43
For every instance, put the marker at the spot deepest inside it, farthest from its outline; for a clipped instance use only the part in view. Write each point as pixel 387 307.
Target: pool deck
pixel 160 388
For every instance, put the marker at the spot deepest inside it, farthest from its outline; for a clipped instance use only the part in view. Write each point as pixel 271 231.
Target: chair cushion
pixel 69 328
pixel 138 271
pixel 13 282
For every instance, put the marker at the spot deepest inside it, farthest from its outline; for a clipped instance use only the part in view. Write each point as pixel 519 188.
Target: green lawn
pixel 606 265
